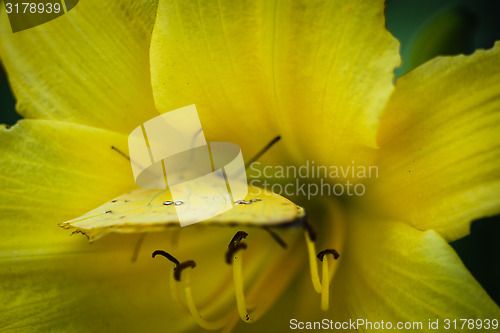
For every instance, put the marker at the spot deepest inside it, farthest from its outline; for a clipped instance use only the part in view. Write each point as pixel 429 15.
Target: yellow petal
pixel 440 149
pixel 52 282
pixel 89 66
pixel 317 72
pixel 80 287
pixel 52 171
pixel 395 273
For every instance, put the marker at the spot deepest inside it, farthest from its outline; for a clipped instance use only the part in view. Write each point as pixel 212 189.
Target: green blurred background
pixel 426 28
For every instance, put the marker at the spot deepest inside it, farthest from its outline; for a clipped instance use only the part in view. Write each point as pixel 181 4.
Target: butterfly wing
pixel 146 210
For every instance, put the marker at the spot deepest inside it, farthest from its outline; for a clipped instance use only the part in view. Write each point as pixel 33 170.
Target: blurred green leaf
pixel 448 32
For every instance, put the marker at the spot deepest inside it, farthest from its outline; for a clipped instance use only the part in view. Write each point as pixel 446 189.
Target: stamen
pixel 238 287
pixel 208 325
pixel 236 260
pixel 232 250
pixel 325 291
pixel 238 237
pixel 322 287
pixel 179 267
pixel 333 252
pixel 310 230
pixel 311 249
pixel 166 255
pixel 183 265
pixel 173 290
pixel 173 286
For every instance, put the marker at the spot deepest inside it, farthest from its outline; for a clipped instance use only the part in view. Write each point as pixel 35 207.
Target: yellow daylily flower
pixel 320 74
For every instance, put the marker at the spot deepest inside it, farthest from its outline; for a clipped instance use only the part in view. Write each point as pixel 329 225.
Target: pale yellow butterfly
pixel 146 210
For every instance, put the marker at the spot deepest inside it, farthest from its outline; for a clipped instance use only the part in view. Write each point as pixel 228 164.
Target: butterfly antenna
pixel 263 151
pixel 120 152
pixel 125 155
pixel 137 247
pixel 276 237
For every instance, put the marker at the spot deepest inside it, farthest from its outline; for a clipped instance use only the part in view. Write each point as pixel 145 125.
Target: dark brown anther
pixel 238 237
pixel 333 252
pixel 166 255
pixel 232 250
pixel 179 268
pixel 235 245
pixel 310 230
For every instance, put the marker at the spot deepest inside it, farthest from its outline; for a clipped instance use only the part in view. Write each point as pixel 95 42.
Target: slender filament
pixel 173 290
pixel 325 291
pixel 209 325
pixel 238 288
pixel 313 265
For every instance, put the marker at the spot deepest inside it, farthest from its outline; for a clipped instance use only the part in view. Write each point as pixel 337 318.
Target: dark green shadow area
pixel 480 252
pixel 453 27
pixel 8 114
